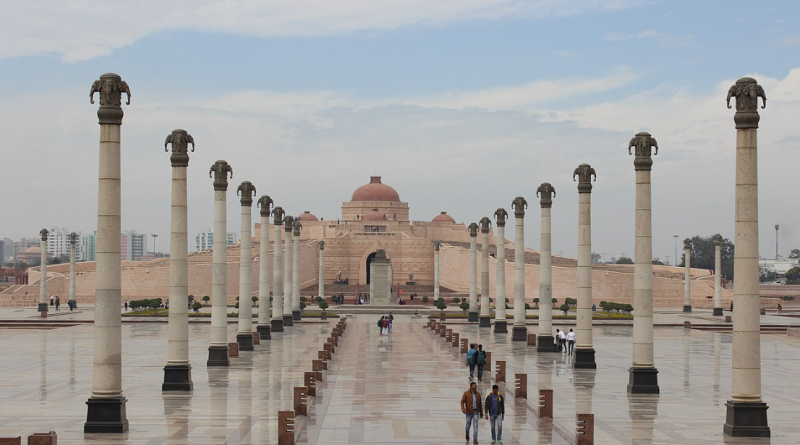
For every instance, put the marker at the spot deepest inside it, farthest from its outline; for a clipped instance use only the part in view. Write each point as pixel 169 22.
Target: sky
pixel 460 105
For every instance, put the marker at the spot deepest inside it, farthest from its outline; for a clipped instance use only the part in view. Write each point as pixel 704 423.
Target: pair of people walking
pixel 385 324
pixel 476 357
pixel 474 408
pixel 566 342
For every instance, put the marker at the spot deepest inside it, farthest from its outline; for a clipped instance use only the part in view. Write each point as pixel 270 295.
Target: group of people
pixel 385 324
pixel 565 342
pixel 55 301
pixel 476 358
pixel 493 407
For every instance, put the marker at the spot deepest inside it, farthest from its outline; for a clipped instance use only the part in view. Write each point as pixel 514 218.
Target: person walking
pixel 571 341
pixel 495 411
pixel 126 305
pixel 472 407
pixel 471 353
pixel 380 325
pixel 480 360
pixel 391 321
pixel 52 300
pixel 58 302
pixel 562 342
pixel 780 308
pixel 385 330
pixel 558 340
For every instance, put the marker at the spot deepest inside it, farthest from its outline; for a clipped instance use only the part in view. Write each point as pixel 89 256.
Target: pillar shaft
pixel 178 344
pixel 43 278
pixel 687 285
pixel 485 309
pixel 718 277
pixel 263 275
pixel 546 279
pixel 643 276
pixel 219 273
pixel 473 279
pixel 287 273
pixel 277 280
pixel 584 347
pixel 519 273
pixel 436 248
pixel 245 331
pixel 72 272
pixel 500 275
pixel 321 279
pixel 296 276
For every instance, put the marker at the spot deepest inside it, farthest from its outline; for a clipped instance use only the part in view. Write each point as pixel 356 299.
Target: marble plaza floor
pixel 404 388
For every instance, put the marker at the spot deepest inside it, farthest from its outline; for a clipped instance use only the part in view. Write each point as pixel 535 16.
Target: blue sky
pixel 460 105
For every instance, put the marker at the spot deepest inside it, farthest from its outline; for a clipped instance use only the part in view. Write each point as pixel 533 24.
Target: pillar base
pixel 519 333
pixel 264 332
pixel 295 314
pixel 472 317
pixel 287 321
pixel 106 416
pixel 584 359
pixel 42 308
pixel 687 308
pixel 245 341
pixel 177 378
pixel 218 356
pixel 717 311
pixel 276 324
pixel 545 343
pixel 643 381
pixel 485 321
pixel 746 419
pixel 500 327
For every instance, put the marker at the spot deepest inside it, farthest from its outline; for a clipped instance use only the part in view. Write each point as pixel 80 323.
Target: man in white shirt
pixel 571 341
pixel 562 341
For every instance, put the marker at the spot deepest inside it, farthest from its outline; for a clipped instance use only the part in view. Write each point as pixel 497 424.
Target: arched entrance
pixel 370 257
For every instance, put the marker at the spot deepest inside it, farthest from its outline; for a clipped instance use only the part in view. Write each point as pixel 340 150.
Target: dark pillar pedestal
pixel 687 308
pixel 545 344
pixel 745 419
pixel 264 332
pixel 718 311
pixel 519 333
pixel 296 315
pixel 245 341
pixel 277 325
pixel 500 327
pixel 584 359
pixel 42 307
pixel 177 378
pixel 218 356
pixel 287 321
pixel 485 321
pixel 472 317
pixel 106 416
pixel 643 381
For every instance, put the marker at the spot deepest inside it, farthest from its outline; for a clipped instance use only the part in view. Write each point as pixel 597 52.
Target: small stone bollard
pixel 488 364
pixel 546 403
pixel 432 325
pixel 300 401
pixel 316 366
pixel 329 347
pixel 443 331
pixel 500 371
pixel 43 438
pixel 521 386
pixel 285 427
pixel 449 336
pixel 464 345
pixel 256 338
pixel 233 349
pixel 455 339
pixel 324 316
pixel 531 339
pixel 442 316
pixel 429 323
pixel 11 440
pixel 323 355
pixel 687 324
pixel 584 429
pixel 310 382
pixel 728 319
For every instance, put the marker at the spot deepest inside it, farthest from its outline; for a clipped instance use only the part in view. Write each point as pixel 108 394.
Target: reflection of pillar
pixel 643 411
pixel 584 347
pixel 473 272
pixel 263 327
pixel 178 371
pixel 218 350
pixel 584 392
pixel 287 271
pixel 545 337
pixel 746 413
pixel 718 274
pixel 643 375
pixel 106 406
pixel 321 279
pixel 686 357
pixel 244 336
pixel 486 315
pixel 500 323
pixel 43 275
pixel 436 247
pixel 687 286
pixel 296 270
pixel 73 239
pixel 277 272
pixel 218 402
pixel 519 332
pixel 717 353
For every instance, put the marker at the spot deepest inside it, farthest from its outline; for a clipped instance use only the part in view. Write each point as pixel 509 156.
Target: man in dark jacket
pixel 495 411
pixel 471 406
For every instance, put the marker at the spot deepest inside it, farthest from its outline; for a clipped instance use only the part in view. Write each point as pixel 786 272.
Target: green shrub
pixel 464 305
pixel 154 304
pixel 441 306
pixel 456 300
pixel 236 305
pixel 555 300
pixel 255 299
pixel 570 301
pixel 425 299
pixel 302 305
pixel 191 297
pixel 197 305
pixel 323 305
pixel 319 300
pixel 527 306
pixel 507 300
pixel 303 299
pixel 535 301
pixel 565 308
pixel 206 298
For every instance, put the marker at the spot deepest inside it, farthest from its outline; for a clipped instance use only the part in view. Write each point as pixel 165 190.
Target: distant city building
pixel 7 250
pixel 205 240
pixel 88 247
pixel 133 245
pixel 780 266
pixel 58 241
pixel 24 244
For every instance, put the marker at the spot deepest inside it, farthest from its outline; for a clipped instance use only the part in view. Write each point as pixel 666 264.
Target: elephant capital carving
pixel 519 204
pixel 473 230
pixel 219 171
pixel 585 173
pixel 546 192
pixel 278 215
pixel 485 224
pixel 643 142
pixel 501 215
pixel 265 203
pixel 247 190
pixel 43 233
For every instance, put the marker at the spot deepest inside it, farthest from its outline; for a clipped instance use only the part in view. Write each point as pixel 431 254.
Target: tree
pixel 206 298
pixel 565 307
pixel 455 301
pixel 425 300
pixel 624 260
pixel 767 275
pixel 795 254
pixel 596 258
pixel 658 261
pixel 464 306
pixel 793 275
pixel 442 306
pixel 702 255
pixel 323 305
pixel 196 306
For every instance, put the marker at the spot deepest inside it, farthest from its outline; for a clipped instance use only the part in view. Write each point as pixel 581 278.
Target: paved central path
pixel 404 388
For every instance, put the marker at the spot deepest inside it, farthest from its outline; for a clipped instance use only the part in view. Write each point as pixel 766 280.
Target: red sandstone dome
pixel 375 191
pixel 307 216
pixel 374 215
pixel 444 218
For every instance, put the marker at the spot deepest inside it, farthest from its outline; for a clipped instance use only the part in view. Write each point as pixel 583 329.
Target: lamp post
pixel 154 243
pixel 777 226
pixel 676 248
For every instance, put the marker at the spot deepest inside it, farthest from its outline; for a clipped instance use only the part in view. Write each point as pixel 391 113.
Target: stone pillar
pixel 263 328
pixel 473 272
pixel 218 350
pixel 544 340
pixel 73 239
pixel 380 280
pixel 321 279
pixel 687 286
pixel 244 336
pixel 584 347
pixel 296 270
pixel 643 375
pixel 746 411
pixel 43 277
pixel 486 314
pixel 519 332
pixel 106 406
pixel 436 247
pixel 178 371
pixel 500 322
pixel 277 272
pixel 287 272
pixel 718 274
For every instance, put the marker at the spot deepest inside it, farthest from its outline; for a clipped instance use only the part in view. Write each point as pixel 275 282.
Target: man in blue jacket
pixel 495 410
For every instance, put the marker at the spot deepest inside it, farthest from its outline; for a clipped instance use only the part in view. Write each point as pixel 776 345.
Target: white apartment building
pixel 205 240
